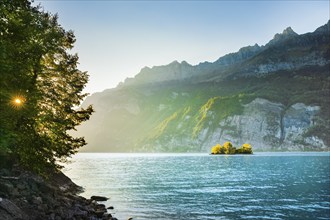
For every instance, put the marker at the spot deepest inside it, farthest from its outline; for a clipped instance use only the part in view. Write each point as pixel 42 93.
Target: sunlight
pixel 17 101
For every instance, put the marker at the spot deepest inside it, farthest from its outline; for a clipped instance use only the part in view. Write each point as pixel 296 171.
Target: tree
pixel 41 76
pixel 216 149
pixel 246 149
pixel 228 148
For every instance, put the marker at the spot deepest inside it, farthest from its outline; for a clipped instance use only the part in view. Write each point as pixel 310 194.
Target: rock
pixel 107 216
pixel 110 207
pixel 6 187
pixel 80 207
pixel 266 125
pixel 52 216
pixel 33 186
pixel 4 172
pixel 37 200
pixel 21 186
pixel 11 210
pixel 101 207
pixel 99 214
pixel 29 196
pixel 42 207
pixel 80 213
pixel 99 198
pixel 15 192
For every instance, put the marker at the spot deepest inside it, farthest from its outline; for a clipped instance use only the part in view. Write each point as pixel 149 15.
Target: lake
pixel 201 186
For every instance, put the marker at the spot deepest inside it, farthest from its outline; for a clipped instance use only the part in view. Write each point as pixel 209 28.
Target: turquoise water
pixel 201 186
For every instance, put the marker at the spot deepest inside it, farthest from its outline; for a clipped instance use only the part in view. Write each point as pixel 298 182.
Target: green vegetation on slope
pixel 200 118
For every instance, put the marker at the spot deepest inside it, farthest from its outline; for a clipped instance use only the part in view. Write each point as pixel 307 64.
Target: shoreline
pixel 27 196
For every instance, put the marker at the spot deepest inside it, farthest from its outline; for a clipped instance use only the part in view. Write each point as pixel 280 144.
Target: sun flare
pixel 17 102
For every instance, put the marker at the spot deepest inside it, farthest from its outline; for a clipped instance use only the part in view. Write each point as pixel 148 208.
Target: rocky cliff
pixel 275 96
pixel 266 125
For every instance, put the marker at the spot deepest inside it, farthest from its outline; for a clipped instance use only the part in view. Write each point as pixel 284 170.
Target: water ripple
pixel 199 186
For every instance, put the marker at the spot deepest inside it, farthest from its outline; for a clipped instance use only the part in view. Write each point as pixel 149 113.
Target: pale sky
pixel 115 39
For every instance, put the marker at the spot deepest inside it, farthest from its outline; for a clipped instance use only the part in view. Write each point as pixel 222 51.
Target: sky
pixel 116 39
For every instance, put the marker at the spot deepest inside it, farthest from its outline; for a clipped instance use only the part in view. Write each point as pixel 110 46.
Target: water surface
pixel 201 186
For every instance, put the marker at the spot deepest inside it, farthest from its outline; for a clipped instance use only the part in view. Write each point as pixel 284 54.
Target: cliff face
pixel 275 97
pixel 267 125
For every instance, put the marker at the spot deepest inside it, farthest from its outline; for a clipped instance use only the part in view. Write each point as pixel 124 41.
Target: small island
pixel 228 148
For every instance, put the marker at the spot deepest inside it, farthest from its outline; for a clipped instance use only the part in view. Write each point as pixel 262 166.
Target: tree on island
pixel 228 148
pixel 216 149
pixel 245 149
pixel 40 87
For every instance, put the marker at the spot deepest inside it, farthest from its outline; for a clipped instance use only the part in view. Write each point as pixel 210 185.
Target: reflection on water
pixel 201 186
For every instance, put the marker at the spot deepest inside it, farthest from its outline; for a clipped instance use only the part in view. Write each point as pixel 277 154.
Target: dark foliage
pixel 40 87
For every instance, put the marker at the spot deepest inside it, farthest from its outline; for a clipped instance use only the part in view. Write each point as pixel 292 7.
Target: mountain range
pixel 274 97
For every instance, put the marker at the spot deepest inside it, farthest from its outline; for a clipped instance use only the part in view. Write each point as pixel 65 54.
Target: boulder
pixel 10 211
pixel 99 198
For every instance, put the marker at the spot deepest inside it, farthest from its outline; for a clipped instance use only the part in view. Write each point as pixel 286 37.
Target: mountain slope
pixel 275 97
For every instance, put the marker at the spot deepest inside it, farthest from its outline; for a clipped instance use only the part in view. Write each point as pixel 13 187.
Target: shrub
pixel 246 149
pixel 228 148
pixel 216 149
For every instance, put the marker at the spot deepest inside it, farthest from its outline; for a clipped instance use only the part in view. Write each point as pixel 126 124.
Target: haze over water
pixel 201 186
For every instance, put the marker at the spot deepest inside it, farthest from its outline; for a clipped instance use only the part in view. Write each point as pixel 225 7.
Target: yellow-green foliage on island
pixel 228 148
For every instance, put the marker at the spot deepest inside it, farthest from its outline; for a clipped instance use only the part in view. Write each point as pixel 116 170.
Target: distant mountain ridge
pixel 182 71
pixel 281 88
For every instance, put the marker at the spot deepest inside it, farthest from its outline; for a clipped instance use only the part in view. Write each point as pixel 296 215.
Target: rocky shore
pixel 27 196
